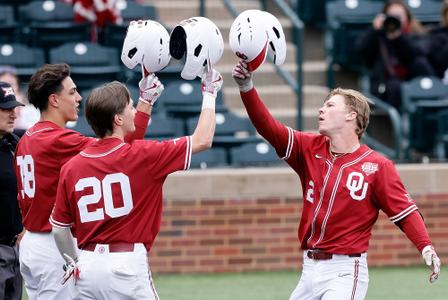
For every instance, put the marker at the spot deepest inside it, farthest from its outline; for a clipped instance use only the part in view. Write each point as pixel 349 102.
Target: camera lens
pixel 391 23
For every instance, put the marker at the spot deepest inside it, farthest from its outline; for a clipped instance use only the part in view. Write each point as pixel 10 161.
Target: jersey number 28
pixel 103 189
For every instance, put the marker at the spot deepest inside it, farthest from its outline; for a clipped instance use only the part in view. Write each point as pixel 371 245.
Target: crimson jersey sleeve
pixel 390 194
pixel 167 156
pixel 61 215
pixel 277 134
pixel 141 123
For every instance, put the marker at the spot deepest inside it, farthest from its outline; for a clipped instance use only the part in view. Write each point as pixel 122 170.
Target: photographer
pixel 390 51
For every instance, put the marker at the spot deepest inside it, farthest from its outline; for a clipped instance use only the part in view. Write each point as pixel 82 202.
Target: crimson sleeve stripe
pixel 404 213
pixel 59 224
pixel 188 153
pixel 290 144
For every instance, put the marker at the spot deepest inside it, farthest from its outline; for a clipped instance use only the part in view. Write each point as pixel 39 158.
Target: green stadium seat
pixel 163 127
pixel 422 99
pixel 211 158
pixel 255 154
pixel 441 147
pixel 91 64
pixel 51 23
pixel 82 126
pixel 26 60
pixel 9 28
pixel 346 21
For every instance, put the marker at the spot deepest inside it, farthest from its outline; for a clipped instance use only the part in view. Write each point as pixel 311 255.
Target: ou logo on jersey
pixel 357 186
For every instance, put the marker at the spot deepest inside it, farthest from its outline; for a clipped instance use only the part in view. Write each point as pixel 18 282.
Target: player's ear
pixel 118 119
pixel 53 100
pixel 351 116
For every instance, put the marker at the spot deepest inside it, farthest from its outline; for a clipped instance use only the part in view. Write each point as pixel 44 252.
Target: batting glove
pixel 150 89
pixel 212 83
pixel 242 77
pixel 71 269
pixel 432 261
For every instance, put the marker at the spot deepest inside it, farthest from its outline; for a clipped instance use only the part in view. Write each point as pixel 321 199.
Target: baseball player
pixel 345 184
pixel 112 194
pixel 41 152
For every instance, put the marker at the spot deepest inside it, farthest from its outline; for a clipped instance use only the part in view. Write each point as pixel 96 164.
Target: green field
pixel 385 284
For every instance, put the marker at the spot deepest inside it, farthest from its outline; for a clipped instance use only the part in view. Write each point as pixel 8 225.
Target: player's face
pixel 129 115
pixel 333 115
pixel 7 118
pixel 69 100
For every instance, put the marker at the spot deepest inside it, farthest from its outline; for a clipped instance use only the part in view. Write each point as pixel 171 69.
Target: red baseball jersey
pixel 40 154
pixel 112 191
pixel 343 195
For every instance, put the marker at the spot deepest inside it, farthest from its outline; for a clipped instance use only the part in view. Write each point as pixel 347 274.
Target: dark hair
pixel 46 81
pixel 103 103
pixel 414 25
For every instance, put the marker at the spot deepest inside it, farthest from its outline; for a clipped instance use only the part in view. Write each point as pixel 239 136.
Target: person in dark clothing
pixel 391 52
pixel 438 39
pixel 10 220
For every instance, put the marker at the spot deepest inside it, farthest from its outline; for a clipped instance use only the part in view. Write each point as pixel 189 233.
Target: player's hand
pixel 212 83
pixel 71 269
pixel 432 261
pixel 150 88
pixel 242 77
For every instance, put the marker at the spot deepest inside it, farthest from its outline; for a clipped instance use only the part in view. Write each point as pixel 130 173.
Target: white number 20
pixel 26 165
pixel 104 188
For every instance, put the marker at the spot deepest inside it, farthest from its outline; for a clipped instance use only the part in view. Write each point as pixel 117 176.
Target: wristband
pixel 246 86
pixel 208 101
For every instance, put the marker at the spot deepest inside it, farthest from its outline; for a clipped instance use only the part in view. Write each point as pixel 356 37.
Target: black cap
pixel 7 96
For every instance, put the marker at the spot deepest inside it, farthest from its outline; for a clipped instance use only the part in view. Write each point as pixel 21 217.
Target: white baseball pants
pixel 342 278
pixel 115 275
pixel 41 268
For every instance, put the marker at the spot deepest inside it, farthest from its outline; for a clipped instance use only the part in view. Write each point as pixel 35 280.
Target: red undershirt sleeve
pixel 141 123
pixel 267 126
pixel 415 229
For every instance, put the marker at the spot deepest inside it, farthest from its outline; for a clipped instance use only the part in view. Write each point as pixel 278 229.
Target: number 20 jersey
pixel 112 191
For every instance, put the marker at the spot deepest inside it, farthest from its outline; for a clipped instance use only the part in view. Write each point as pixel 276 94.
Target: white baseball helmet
pixel 251 33
pixel 146 43
pixel 200 40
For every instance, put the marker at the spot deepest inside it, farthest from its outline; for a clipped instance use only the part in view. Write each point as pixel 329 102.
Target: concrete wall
pixel 246 220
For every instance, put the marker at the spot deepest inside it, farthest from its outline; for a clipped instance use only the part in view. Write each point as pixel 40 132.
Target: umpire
pixel 10 220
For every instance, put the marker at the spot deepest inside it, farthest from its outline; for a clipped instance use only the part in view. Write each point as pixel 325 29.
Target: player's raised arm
pixel 276 133
pixel 202 137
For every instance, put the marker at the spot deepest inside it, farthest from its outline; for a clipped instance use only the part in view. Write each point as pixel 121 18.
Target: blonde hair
pixel 357 102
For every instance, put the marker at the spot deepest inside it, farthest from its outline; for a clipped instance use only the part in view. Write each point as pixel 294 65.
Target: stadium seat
pixel 91 64
pixel 254 154
pixel 214 157
pixel 231 130
pixel 9 28
pixel 50 23
pixel 183 98
pixel 163 127
pixel 427 12
pixel 82 126
pixel 422 99
pixel 26 60
pixel 346 21
pixel 441 147
pixel 113 35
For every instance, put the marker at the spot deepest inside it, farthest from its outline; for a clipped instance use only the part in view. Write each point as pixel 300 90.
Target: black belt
pixel 321 255
pixel 9 241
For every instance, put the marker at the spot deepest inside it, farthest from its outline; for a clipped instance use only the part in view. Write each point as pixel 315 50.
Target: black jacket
pixel 438 50
pixel 10 219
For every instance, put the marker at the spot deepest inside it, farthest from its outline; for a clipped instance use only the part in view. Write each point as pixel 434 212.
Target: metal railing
pixel 295 84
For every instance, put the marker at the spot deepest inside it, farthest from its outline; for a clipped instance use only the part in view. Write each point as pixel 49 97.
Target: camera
pixel 391 23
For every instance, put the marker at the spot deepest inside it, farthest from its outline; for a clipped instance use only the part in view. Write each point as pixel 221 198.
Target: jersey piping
pixel 290 144
pixel 28 133
pixel 404 213
pixel 188 153
pixel 102 154
pixel 333 196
